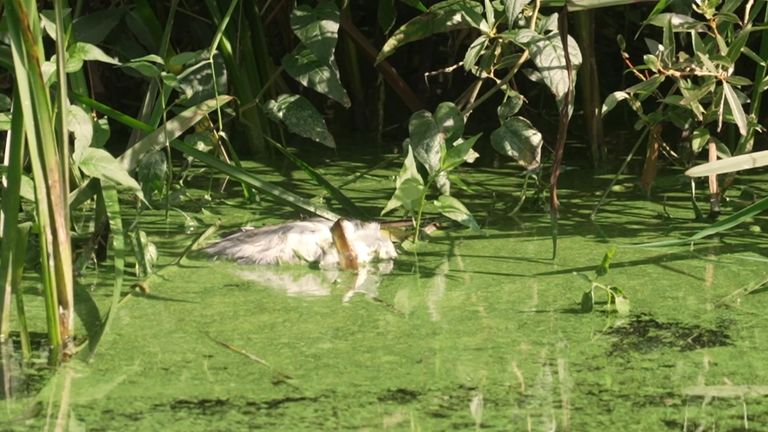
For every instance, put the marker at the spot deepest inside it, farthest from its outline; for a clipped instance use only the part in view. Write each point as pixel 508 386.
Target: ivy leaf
pixel 426 140
pixel 548 54
pixel 301 118
pixel 450 121
pixel 322 77
pixel 442 17
pixel 511 105
pixel 518 139
pixel 452 208
pixel 317 28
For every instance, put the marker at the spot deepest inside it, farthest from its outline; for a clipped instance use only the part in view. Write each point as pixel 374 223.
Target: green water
pixel 473 330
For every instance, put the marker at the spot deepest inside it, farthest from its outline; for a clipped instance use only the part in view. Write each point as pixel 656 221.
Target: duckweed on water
pixel 473 329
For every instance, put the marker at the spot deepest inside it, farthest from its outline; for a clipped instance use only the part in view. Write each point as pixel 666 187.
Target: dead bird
pixel 346 243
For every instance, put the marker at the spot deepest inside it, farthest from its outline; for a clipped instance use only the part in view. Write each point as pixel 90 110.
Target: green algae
pixel 469 330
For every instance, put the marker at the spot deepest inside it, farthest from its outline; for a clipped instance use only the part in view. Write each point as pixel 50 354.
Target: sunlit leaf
pixel 300 117
pixel 450 121
pixel 699 139
pixel 79 52
pixel 612 100
pixel 102 165
pixel 511 105
pixel 317 28
pixel 320 76
pixel 460 153
pixel 169 131
pixel 549 56
pixel 473 53
pixel 442 17
pixel 679 22
pixel 518 139
pixel 426 140
pixel 739 116
pixel 513 8
pixel 81 126
pixel 452 208
pixel 196 82
pixel 622 305
pixel 407 195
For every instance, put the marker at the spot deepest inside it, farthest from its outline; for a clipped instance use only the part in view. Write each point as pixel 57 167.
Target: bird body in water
pixel 346 243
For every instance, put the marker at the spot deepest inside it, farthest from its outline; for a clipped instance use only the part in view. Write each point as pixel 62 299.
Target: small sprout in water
pixel 617 301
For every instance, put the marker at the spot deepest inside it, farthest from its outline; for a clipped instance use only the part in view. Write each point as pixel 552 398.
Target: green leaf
pixel 473 53
pixel 622 305
pixel 300 117
pixel 511 105
pixel 386 15
pixel 152 173
pixel 196 82
pixel 317 28
pixel 169 131
pixel 731 221
pixel 460 153
pixel 426 140
pixel 450 121
pixel 678 22
pixel 647 87
pixel 409 186
pixel 282 195
pixel 518 139
pixel 79 52
pixel 442 17
pixel 699 139
pixel 513 9
pixel 323 77
pixel 587 301
pixel 101 132
pixel 605 264
pixel 100 164
pixel 612 100
pixel 739 116
pixel 548 54
pixel 94 28
pixel 452 208
pixel 81 125
pixel 349 205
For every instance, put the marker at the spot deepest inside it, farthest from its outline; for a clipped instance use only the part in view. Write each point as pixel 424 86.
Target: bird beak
pixel 347 255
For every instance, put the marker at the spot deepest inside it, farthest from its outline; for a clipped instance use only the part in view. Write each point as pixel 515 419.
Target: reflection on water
pixel 308 282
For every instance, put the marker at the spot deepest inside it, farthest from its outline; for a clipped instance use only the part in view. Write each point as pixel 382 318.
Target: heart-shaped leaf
pixel 518 139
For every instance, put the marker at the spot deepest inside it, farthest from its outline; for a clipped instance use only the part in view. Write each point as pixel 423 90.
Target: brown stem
pixel 389 73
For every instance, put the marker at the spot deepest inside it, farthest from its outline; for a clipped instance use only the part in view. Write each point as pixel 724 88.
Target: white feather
pixel 308 240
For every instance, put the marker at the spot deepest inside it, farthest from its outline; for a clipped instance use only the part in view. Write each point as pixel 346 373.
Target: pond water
pixel 469 330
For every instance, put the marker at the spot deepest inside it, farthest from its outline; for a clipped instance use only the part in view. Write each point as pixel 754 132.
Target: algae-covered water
pixel 470 329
